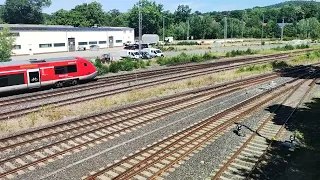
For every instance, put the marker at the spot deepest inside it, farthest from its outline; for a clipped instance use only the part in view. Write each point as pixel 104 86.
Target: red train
pixel 33 73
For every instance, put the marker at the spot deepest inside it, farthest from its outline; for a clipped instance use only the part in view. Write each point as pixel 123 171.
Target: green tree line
pixel 303 17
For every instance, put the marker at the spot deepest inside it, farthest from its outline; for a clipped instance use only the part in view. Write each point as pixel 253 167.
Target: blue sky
pixel 200 5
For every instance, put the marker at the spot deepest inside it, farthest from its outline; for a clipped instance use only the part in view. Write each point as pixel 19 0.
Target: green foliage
pixel 279 64
pixel 24 11
pixel 184 58
pixel 262 68
pixel 303 18
pixel 291 47
pixel 187 43
pixel 126 64
pixel 6 45
pixel 235 53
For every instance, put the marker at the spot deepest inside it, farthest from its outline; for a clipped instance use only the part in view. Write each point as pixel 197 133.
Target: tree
pixel 24 11
pixel 6 44
pixel 182 13
pixel 115 18
pixel 151 17
pixel 314 28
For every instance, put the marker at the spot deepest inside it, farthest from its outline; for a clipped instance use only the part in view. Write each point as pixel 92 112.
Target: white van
pixel 153 51
pixel 130 54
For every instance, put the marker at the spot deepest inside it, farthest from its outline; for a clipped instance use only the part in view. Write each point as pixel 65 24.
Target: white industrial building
pixel 37 39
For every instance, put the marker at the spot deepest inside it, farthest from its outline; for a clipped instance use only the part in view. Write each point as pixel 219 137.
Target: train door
pixel 33 78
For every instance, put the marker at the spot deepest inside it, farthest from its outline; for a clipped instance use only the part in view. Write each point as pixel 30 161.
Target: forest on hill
pixel 303 18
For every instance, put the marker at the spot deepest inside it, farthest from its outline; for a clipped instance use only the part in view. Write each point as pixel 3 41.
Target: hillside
pixel 293 3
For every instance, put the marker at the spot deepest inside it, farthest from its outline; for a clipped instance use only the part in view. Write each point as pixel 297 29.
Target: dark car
pixel 146 55
pixel 105 58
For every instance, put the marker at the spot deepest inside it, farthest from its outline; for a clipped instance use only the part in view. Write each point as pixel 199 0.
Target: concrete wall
pixel 33 42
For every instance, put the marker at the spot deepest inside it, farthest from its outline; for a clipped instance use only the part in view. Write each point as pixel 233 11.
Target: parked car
pixel 81 48
pixel 94 47
pixel 130 54
pixel 154 52
pixel 145 55
pixel 105 58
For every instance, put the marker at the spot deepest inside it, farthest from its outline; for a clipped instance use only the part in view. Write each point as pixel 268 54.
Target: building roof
pixel 34 61
pixel 34 27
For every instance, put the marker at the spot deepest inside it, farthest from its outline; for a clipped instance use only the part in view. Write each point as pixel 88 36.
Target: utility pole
pixel 231 28
pixel 262 29
pixel 282 29
pixel 225 28
pixel 163 29
pixel 188 29
pixel 140 26
pixel 243 25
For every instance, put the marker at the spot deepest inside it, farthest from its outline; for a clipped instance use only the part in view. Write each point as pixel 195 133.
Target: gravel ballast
pixel 91 159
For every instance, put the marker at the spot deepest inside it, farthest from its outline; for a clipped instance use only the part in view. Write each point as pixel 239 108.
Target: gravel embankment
pixel 80 164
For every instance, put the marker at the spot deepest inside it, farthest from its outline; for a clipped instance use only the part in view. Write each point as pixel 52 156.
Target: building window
pixel 92 42
pixel 45 45
pixel 82 43
pixel 102 42
pixel 17 47
pixel 118 41
pixel 65 69
pixel 14 34
pixel 59 44
pixel 11 80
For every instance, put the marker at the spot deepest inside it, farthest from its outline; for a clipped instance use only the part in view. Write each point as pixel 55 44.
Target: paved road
pixel 115 52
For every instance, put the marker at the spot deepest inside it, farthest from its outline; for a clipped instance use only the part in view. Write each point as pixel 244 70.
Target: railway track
pixel 13 113
pixel 25 151
pixel 247 157
pixel 120 79
pixel 156 160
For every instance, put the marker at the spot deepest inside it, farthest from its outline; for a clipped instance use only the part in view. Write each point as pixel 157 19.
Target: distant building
pixel 37 39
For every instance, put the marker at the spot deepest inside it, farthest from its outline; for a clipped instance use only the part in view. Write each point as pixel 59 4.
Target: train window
pixel 60 70
pixel 72 68
pixel 15 79
pixel 3 81
pixel 11 80
pixel 85 64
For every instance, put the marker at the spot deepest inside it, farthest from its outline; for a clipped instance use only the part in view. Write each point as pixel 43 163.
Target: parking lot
pixel 115 52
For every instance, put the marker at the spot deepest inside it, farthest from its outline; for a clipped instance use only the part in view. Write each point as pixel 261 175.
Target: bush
pixel 234 53
pixel 279 64
pixel 291 47
pixel 184 58
pixel 187 43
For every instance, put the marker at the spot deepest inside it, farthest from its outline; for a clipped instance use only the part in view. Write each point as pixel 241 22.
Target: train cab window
pixel 60 70
pixel 72 68
pixel 85 64
pixel 65 69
